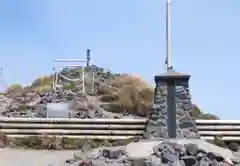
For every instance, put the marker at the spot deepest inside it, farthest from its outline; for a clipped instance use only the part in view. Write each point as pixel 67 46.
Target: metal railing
pixel 227 130
pixel 73 128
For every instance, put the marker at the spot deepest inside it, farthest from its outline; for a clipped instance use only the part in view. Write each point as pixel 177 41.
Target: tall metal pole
pixel 168 36
pixel 171 87
pixel 1 80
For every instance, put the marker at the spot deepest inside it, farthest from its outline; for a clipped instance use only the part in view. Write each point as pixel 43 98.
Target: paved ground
pixel 13 157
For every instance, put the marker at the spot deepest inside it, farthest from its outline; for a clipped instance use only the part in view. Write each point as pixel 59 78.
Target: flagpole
pixel 168 36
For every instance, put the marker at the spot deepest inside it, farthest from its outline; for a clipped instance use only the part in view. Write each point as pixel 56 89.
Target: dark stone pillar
pixel 170 117
pixel 171 109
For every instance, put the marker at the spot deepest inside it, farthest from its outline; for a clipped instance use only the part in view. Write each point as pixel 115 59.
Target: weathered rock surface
pixel 32 102
pixel 158 153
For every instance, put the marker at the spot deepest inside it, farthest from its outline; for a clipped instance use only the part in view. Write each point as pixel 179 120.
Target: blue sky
pixel 128 36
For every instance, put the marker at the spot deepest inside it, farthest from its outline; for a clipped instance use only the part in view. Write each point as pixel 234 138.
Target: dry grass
pixel 57 143
pixel 132 95
pixel 14 87
pixel 45 80
pixel 43 88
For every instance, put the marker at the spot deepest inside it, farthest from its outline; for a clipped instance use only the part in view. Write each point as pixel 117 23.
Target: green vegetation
pixel 43 88
pixel 14 87
pixel 58 143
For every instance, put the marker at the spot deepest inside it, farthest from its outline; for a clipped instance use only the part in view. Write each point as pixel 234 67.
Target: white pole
pixel 53 79
pixel 168 35
pixel 93 79
pixel 56 81
pixel 83 80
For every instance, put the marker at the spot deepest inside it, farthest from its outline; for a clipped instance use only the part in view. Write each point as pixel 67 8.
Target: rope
pixel 69 79
pixel 80 79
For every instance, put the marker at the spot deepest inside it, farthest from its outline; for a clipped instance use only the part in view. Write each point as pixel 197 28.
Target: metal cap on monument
pixel 172 75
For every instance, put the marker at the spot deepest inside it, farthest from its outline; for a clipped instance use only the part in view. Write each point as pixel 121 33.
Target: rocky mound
pixel 108 95
pixel 164 153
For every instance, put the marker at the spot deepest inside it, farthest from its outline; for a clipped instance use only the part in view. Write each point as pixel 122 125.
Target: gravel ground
pixel 147 148
pixel 12 157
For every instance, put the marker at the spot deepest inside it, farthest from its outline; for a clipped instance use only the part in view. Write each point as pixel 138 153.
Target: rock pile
pixel 165 153
pixel 33 104
pixel 97 102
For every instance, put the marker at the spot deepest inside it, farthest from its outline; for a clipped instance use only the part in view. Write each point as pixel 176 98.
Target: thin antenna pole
pixel 56 81
pixel 88 57
pixel 83 80
pixel 53 79
pixel 168 35
pixel 93 79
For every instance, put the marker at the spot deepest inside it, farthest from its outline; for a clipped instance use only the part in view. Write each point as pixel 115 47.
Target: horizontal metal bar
pixel 70 126
pixel 220 133
pixel 51 131
pixel 218 122
pixel 74 65
pixel 228 127
pixel 224 138
pixel 70 60
pixel 71 120
pixel 114 137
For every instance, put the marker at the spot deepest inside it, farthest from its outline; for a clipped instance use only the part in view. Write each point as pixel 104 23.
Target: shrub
pixel 45 80
pixel 69 143
pixel 44 88
pixel 207 116
pixel 3 140
pixel 233 146
pixel 115 107
pixel 195 112
pixel 27 89
pixel 217 141
pixel 14 87
pixel 56 143
pixel 51 142
pixel 103 90
pixel 68 86
pixel 32 142
pixel 132 95
pixel 107 98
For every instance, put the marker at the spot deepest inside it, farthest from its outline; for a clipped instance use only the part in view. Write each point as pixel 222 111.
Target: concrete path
pixel 13 157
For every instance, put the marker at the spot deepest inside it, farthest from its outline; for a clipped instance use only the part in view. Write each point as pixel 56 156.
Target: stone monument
pixel 171 113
